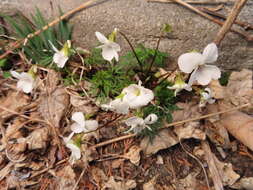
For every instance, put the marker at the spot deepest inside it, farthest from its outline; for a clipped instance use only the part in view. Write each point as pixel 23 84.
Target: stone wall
pixel 141 21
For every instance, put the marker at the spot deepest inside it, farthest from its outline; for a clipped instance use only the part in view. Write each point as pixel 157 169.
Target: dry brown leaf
pixel 244 183
pixel 53 106
pixel 188 183
pixel 164 139
pixel 52 79
pixel 14 101
pixel 187 110
pixel 38 139
pixel 134 155
pixel 65 178
pixel 239 88
pixel 6 170
pixel 150 185
pixel 190 130
pixel 99 176
pixel 240 126
pixel 111 184
pixel 83 104
pixel 12 131
pixel 222 173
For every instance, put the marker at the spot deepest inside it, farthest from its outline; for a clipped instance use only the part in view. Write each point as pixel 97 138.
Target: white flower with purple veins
pixel 206 97
pixel 109 48
pixel 196 63
pixel 137 124
pixel 117 105
pixel 61 56
pixel 136 96
pixel 81 125
pixel 26 81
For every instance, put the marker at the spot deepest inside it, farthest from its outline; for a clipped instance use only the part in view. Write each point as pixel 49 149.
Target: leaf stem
pixel 132 48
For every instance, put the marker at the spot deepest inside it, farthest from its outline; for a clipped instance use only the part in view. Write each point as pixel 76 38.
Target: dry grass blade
pixel 206 2
pixel 171 124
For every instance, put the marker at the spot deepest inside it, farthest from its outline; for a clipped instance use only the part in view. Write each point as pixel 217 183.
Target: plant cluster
pixel 126 85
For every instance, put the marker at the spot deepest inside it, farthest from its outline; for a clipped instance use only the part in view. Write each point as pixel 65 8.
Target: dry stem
pixel 170 125
pixel 239 4
pixel 207 2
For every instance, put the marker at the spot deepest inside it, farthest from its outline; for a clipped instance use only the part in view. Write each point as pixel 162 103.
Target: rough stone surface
pixel 141 20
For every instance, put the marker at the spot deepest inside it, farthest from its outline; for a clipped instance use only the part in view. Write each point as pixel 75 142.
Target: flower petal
pixel 60 59
pixel 108 53
pixel 210 53
pixel 150 119
pixel 119 106
pixel 101 38
pixel 15 74
pixel 76 128
pixel 26 86
pixel 91 125
pixel 134 121
pixel 214 71
pixel 189 61
pixel 78 117
pixel 115 46
pixel 203 76
pixel 75 151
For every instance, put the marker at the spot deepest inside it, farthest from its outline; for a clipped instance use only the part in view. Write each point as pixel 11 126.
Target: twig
pixel 170 125
pixel 54 22
pixel 46 169
pixel 24 116
pixel 80 177
pixel 199 162
pixel 206 2
pixel 243 24
pixel 239 4
pixel 217 21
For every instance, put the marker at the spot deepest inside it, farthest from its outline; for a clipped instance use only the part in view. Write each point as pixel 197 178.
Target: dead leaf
pixel 188 183
pixel 65 178
pixel 190 130
pixel 218 91
pixel 14 101
pixel 83 104
pixel 134 155
pixel 52 79
pixel 239 89
pixel 150 185
pixel 6 170
pixel 111 184
pixel 53 106
pixel 99 176
pixel 164 139
pixel 38 139
pixel 244 183
pixel 240 126
pixel 187 110
pixel 222 173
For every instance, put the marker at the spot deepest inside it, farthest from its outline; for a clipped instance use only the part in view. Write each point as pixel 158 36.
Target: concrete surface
pixel 141 20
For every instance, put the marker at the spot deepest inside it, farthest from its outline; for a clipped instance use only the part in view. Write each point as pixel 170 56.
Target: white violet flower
pixel 195 62
pixel 179 85
pixel 137 96
pixel 133 96
pixel 82 125
pixel 206 97
pixel 137 124
pixel 61 56
pixel 74 148
pixel 26 81
pixel 110 49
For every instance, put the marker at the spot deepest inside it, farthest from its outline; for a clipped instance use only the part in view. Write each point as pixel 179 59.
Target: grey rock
pixel 141 20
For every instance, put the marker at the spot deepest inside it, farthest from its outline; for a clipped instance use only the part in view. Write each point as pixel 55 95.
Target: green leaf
pixel 6 74
pixel 3 62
